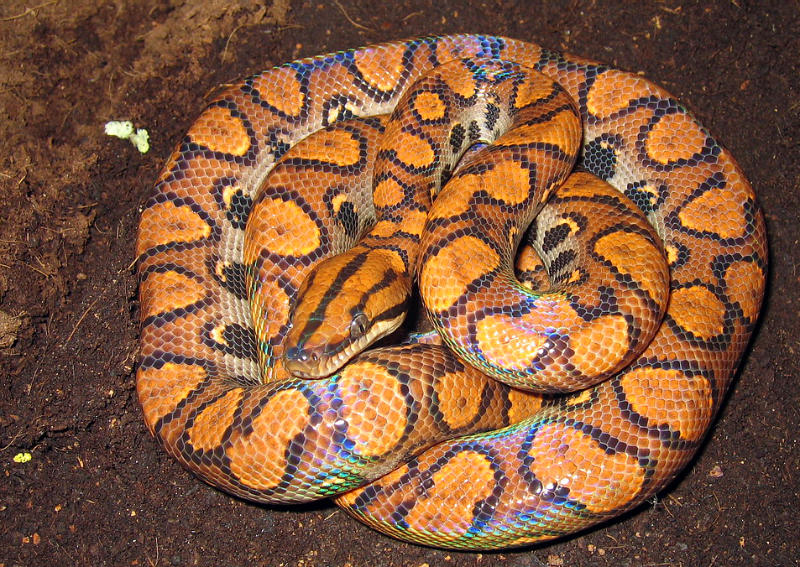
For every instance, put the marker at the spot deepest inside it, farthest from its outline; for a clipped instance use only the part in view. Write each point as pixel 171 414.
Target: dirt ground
pixel 98 490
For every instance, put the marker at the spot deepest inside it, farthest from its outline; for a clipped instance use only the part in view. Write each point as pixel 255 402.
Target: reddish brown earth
pixel 98 490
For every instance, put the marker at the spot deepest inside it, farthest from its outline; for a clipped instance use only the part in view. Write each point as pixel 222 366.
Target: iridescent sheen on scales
pixel 416 440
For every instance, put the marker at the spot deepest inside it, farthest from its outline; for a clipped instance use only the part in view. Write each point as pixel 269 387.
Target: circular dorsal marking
pixel 162 389
pixel 459 262
pixel 612 91
pixel 669 397
pixel 282 90
pixel 564 459
pixel 696 309
pixel 675 137
pixel 212 423
pixel 284 227
pixel 219 131
pixel 374 408
pixel 716 211
pixel 178 291
pixel 470 470
pixel 259 456
pixel 460 395
pixel 168 223
pixel 382 73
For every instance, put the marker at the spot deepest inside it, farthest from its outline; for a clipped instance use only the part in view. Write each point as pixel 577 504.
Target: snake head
pixel 346 303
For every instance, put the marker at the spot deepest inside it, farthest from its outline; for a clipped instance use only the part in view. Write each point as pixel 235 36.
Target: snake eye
pixel 358 326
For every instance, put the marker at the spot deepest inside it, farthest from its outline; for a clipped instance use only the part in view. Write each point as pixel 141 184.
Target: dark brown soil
pixel 98 490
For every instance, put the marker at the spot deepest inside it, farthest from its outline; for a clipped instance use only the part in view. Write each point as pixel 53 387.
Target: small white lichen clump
pixel 123 129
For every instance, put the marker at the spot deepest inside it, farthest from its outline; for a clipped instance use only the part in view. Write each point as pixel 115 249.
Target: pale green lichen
pixel 123 129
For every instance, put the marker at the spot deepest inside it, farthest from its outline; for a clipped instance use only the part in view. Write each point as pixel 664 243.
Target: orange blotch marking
pixel 219 270
pixel 385 229
pixel 429 106
pixel 331 146
pixel 388 193
pixel 600 346
pixel 281 89
pixel 162 389
pixel 674 137
pixel 219 131
pixel 455 198
pixel 613 90
pixel 444 277
pixel 166 291
pixel 460 82
pixel 506 342
pixel 448 505
pixel 210 425
pixel 165 223
pixel 669 397
pixel 283 227
pixel 507 181
pixel 585 186
pixel 459 395
pixel 374 407
pixel 537 87
pixel 717 211
pixel 523 405
pixel 634 255
pixel 574 227
pixel 698 311
pixel 259 458
pixel 745 285
pixel 568 458
pixel 511 343
pixel 512 235
pixel 414 222
pixel 381 69
pixel 413 150
pixel 521 52
pixel 562 130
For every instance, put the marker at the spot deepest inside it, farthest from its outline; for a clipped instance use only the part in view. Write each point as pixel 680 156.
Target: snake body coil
pixel 415 440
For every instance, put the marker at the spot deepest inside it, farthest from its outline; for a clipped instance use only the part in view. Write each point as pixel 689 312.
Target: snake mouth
pixel 307 362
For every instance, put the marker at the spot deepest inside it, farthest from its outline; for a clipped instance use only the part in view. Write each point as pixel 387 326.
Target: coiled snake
pixel 275 177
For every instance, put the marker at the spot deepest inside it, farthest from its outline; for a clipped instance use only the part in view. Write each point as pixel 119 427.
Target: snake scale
pixel 267 264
